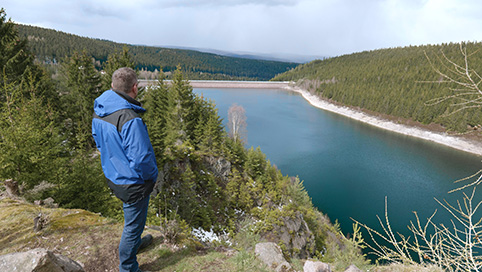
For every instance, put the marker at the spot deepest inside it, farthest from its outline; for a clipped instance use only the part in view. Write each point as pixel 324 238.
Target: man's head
pixel 125 80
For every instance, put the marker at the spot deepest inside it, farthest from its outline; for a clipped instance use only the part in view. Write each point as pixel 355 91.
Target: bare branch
pixel 237 122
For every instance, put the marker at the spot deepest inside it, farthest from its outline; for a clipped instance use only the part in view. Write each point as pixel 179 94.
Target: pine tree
pixel 255 163
pixel 175 135
pixel 81 86
pixel 185 101
pixel 31 149
pixel 209 131
pixel 82 186
pixel 114 62
pixel 156 104
pixel 180 121
pixel 14 56
pixel 16 64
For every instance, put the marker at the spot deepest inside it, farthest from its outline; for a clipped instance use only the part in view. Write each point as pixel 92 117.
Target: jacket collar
pixel 128 98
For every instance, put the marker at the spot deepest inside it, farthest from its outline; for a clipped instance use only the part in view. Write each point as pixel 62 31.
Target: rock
pixel 39 222
pixel 270 254
pixel 220 167
pixel 38 260
pixel 295 235
pixel 353 268
pixel 311 266
pixel 162 177
pixel 11 187
pixel 50 203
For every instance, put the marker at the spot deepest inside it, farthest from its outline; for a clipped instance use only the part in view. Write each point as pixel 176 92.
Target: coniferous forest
pixel 399 82
pixel 51 46
pixel 207 179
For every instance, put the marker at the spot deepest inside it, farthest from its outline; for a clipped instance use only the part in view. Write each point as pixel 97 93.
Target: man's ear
pixel 112 85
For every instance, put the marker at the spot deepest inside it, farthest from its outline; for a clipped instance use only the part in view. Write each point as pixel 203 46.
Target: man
pixel 127 158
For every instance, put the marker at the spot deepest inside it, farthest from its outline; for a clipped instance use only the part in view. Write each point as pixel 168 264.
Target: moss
pixel 72 219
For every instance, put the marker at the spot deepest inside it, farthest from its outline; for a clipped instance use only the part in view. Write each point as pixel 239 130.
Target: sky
pixel 324 28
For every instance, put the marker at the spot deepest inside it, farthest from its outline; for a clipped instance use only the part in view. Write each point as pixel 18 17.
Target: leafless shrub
pixel 457 247
pixel 466 94
pixel 237 122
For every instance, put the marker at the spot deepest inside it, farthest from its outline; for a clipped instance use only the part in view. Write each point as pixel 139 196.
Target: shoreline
pixel 437 137
pixel 227 84
pixel 458 143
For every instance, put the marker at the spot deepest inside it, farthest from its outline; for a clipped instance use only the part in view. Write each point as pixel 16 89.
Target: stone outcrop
pixel 219 166
pixel 295 235
pixel 312 266
pixel 270 254
pixel 38 260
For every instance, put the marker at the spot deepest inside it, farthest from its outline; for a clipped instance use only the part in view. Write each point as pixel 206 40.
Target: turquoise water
pixel 348 167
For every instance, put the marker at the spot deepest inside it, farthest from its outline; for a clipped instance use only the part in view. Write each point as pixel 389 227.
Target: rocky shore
pixel 457 142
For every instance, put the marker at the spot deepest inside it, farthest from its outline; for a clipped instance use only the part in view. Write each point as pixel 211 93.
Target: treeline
pixel 400 82
pixel 51 46
pixel 207 179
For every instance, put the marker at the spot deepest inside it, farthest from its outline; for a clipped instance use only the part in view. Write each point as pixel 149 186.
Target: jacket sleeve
pixel 138 149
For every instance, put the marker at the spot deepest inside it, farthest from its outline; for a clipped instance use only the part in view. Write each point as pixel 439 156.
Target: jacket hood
pixel 111 101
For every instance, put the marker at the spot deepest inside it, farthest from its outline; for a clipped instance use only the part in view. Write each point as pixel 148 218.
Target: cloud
pixel 224 3
pixel 319 27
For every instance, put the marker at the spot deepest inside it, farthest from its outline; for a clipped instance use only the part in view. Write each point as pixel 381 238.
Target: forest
pixel 208 179
pixel 404 82
pixel 51 46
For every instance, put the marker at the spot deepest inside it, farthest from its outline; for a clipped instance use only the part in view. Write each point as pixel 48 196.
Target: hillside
pixel 208 181
pixel 52 46
pixel 399 83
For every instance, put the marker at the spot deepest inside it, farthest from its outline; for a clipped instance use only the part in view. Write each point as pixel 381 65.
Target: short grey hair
pixel 123 79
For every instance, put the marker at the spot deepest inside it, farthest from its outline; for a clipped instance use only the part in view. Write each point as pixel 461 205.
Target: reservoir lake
pixel 349 167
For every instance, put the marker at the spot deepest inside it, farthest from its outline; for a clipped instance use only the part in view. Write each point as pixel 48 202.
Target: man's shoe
pixel 145 242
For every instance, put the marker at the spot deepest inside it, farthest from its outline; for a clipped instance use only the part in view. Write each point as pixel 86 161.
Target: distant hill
pixel 51 46
pixel 283 57
pixel 398 82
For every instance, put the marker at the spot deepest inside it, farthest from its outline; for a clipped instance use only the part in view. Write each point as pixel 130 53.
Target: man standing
pixel 127 158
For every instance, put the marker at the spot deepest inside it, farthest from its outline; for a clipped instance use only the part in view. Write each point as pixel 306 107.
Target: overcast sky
pixel 304 27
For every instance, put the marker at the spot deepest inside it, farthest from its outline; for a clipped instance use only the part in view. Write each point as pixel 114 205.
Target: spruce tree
pixel 156 104
pixel 180 112
pixel 114 62
pixel 209 131
pixel 14 56
pixel 16 64
pixel 31 149
pixel 185 100
pixel 81 86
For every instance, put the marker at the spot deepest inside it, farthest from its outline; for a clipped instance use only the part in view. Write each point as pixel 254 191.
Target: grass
pixel 92 240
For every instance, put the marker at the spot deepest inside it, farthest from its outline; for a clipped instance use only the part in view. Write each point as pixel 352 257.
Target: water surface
pixel 349 167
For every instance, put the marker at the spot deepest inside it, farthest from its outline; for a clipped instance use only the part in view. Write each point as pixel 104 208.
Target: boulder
pixel 353 268
pixel 270 254
pixel 38 260
pixel 312 266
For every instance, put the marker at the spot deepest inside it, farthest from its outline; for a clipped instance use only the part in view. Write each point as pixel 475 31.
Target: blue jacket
pixel 126 152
